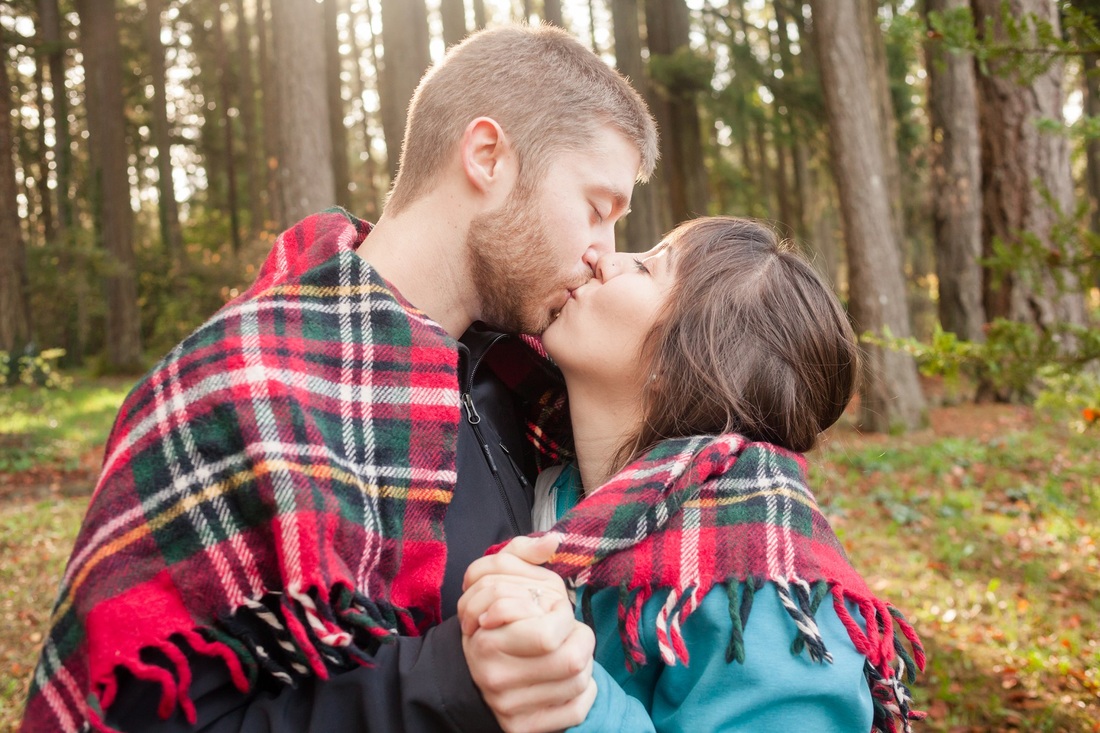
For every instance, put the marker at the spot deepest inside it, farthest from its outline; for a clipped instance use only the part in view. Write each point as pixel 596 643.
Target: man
pixel 290 499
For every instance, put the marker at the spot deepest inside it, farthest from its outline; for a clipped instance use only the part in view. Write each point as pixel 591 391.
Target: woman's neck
pixel 602 418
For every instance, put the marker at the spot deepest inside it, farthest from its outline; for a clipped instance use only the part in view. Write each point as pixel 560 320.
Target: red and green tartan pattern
pixel 299 446
pixel 698 512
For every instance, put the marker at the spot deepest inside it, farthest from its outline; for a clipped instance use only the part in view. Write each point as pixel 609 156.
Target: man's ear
pixel 487 159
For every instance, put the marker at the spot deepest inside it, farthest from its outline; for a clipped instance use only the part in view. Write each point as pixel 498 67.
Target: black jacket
pixel 416 684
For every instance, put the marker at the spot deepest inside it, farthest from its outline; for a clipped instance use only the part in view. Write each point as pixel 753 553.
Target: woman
pixel 697 375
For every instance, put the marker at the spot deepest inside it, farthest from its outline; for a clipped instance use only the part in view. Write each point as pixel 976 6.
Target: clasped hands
pixel 527 653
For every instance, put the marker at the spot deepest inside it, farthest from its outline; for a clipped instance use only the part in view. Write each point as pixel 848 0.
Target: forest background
pixel 938 160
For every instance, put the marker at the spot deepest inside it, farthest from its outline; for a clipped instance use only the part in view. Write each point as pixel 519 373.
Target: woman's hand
pixel 510 585
pixel 530 658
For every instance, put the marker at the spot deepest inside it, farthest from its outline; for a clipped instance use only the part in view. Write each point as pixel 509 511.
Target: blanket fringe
pixel 281 636
pixel 889 667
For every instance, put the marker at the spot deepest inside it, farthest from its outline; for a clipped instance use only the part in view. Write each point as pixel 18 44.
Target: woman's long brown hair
pixel 751 341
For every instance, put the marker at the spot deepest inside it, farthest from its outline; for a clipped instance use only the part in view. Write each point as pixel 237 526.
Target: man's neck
pixel 602 419
pixel 421 252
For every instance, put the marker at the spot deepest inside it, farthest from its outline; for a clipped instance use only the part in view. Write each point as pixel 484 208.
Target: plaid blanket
pixel 700 512
pixel 273 491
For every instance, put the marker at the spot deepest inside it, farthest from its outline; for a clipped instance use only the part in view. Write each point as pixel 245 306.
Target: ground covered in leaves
pixel 983 528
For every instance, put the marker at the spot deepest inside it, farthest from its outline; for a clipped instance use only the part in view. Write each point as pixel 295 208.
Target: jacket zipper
pixel 474 419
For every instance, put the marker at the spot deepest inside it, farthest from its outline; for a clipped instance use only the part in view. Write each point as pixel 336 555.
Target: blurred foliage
pixel 33 370
pixel 1027 45
pixel 682 73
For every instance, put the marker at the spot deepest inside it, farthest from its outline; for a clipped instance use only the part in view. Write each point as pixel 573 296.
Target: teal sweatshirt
pixel 772 690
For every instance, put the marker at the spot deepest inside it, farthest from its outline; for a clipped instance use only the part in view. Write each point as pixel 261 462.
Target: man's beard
pixel 512 264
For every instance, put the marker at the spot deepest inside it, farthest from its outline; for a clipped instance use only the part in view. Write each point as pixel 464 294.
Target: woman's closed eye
pixel 641 266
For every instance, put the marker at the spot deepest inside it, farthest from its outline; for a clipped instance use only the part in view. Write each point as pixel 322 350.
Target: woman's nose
pixel 611 265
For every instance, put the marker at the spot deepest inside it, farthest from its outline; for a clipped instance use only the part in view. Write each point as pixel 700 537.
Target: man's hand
pixel 531 659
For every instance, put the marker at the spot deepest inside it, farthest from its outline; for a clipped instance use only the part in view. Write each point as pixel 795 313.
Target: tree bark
pixel 305 138
pixel 551 13
pixel 231 196
pixel 956 184
pixel 370 173
pixel 799 152
pixel 170 235
pixel 49 223
pixel 453 13
pixel 335 92
pixel 49 23
pixel 1026 181
pixel 594 44
pixel 269 93
pixel 890 395
pixel 247 89
pixel 878 74
pixel 642 228
pixel 668 28
pixel 405 42
pixel 14 311
pixel 110 185
pixel 1090 79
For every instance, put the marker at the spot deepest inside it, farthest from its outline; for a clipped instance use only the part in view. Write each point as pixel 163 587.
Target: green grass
pixel 35 540
pixel 990 547
pixel 54 429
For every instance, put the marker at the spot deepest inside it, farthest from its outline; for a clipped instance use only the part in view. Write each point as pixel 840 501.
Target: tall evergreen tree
pixel 1026 181
pixel 405 42
pixel 334 88
pixel 676 109
pixel 305 174
pixel 956 184
pixel 14 313
pixel 167 208
pixel 110 184
pixel 642 226
pixel 890 395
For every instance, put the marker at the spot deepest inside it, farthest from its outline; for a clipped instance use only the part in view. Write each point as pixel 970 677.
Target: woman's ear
pixel 487 157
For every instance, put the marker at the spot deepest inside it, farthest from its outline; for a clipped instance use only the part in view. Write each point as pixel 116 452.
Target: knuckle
pixel 576 660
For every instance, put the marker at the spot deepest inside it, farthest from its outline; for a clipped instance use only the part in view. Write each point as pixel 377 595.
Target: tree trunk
pixel 170 235
pixel 890 395
pixel 551 12
pixel 453 14
pixel 372 206
pixel 49 23
pixel 231 198
pixel 956 184
pixel 1091 83
pixel 479 14
pixel 110 185
pixel 247 89
pixel 305 138
pixel 336 113
pixel 1090 87
pixel 642 225
pixel 1026 180
pixel 878 74
pixel 269 95
pixel 592 28
pixel 799 152
pixel 405 42
pixel 14 312
pixel 668 26
pixel 49 223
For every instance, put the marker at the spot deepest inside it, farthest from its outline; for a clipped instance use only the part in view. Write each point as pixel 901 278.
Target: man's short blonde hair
pixel 549 94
